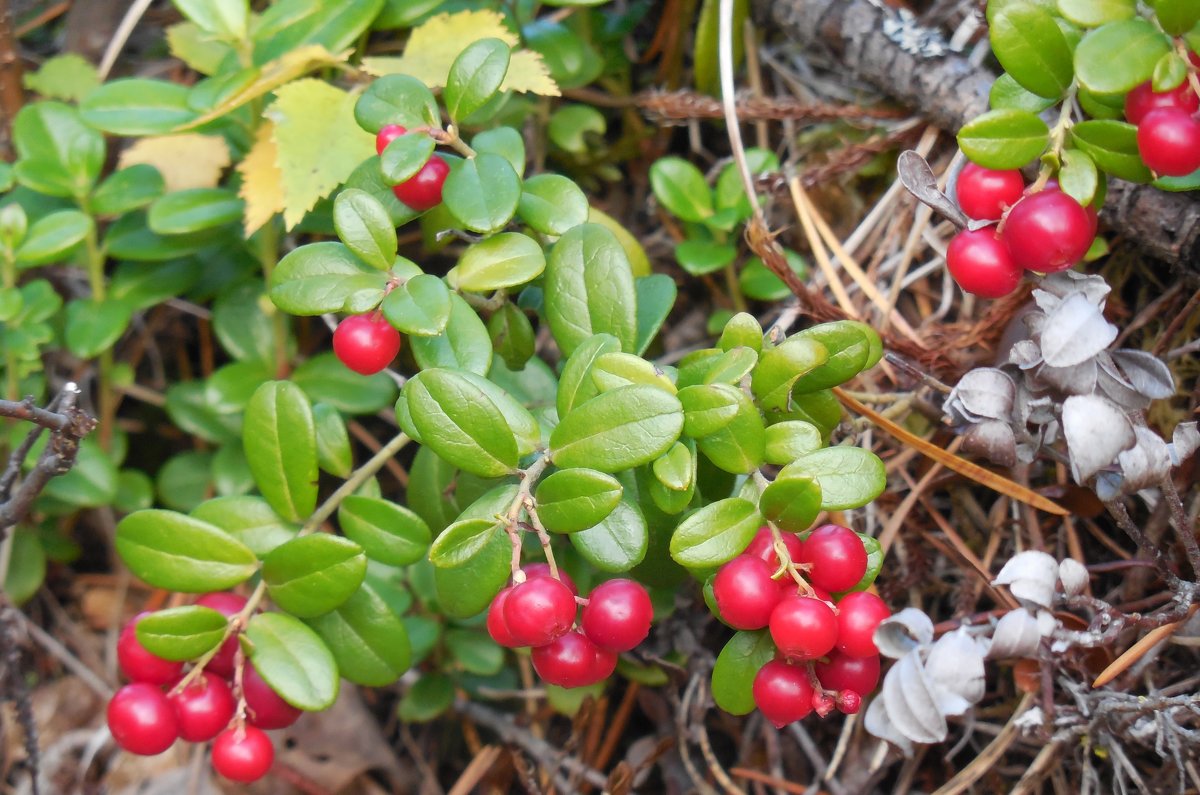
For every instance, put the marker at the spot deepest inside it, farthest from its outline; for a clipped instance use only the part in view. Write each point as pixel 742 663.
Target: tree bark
pixel 950 91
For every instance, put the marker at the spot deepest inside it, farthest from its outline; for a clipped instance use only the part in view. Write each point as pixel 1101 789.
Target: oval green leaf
pixel 387 532
pixel 293 660
pixel 504 260
pixel 179 553
pixel 571 500
pixel 715 534
pixel 1004 139
pixel 624 428
pixel 362 223
pixel 279 438
pixel 311 575
pixel 589 289
pixel 460 423
pixel 482 192
pixel 368 639
pixel 181 633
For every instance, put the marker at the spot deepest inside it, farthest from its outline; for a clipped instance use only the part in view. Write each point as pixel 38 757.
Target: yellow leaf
pixel 185 161
pixel 433 46
pixel 319 144
pixel 271 76
pixel 262 181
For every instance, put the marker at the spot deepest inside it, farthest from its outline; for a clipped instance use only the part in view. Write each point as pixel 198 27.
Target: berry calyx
pixel 140 665
pixel 495 621
pixel 1169 142
pixel 763 546
pixel 745 593
pixel 981 264
pixel 543 570
pixel 1047 232
pixel 570 661
pixel 823 703
pixel 843 672
pixel 204 707
pixel 142 720
pixel 837 556
pixel 803 628
pixel 849 702
pixel 782 692
pixel 387 134
pixel 243 754
pixel 858 615
pixel 1143 100
pixel 229 605
pixel 366 343
pixel 538 611
pixel 617 615
pixel 265 708
pixel 423 190
pixel 984 194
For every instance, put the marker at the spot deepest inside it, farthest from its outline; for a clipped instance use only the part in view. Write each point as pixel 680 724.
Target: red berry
pixel 264 707
pixel 543 570
pixel 495 621
pixel 569 661
pixel 538 611
pixel 849 702
pixel 822 703
pixel 229 605
pixel 1047 232
pixel 423 190
pixel 837 556
pixel 603 666
pixel 140 665
pixel 763 546
pixel 204 708
pixel 842 672
pixel 1144 99
pixel 366 343
pixel 745 592
pixel 142 720
pixel 858 616
pixel 1169 142
pixel 243 754
pixel 386 135
pixel 984 194
pixel 803 628
pixel 782 692
pixel 617 615
pixel 981 264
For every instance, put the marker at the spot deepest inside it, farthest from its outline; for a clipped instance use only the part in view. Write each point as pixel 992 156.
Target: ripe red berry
pixel 569 661
pixel 543 570
pixel 782 692
pixel 763 546
pixel 984 194
pixel 617 615
pixel 495 621
pixel 204 707
pixel 423 190
pixel 229 605
pixel 1169 142
pixel 142 720
pixel 1144 99
pixel 386 135
pixel 265 708
pixel 366 343
pixel 538 611
pixel 981 264
pixel 243 754
pixel 858 616
pixel 603 666
pixel 745 592
pixel 803 628
pixel 849 702
pixel 837 556
pixel 843 672
pixel 140 665
pixel 1047 232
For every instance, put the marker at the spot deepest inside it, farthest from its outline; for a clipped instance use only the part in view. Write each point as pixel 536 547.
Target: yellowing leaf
pixel 197 49
pixel 185 161
pixel 272 75
pixel 433 46
pixel 262 181
pixel 318 143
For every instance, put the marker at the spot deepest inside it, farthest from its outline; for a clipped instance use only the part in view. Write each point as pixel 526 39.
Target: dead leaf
pixel 1096 432
pixel 1030 576
pixel 1074 332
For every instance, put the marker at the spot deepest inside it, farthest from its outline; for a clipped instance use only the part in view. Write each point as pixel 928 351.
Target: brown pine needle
pixel 1140 649
pixel 818 250
pixel 985 477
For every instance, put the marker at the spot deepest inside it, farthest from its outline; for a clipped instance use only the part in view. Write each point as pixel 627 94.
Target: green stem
pixel 450 138
pixel 735 289
pixel 1058 135
pixel 268 250
pixel 106 396
pixel 12 389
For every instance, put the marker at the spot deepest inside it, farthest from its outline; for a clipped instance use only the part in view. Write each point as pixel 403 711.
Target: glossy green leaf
pixel 504 141
pixel 571 500
pixel 1094 13
pixel 1169 73
pixel 576 385
pixel 616 430
pixel 464 344
pixel 137 106
pixel 248 519
pixel 738 447
pixel 130 188
pixel 368 639
pixel 91 483
pixel 1112 146
pixel 194 210
pixel 572 125
pixel 1032 49
pixel 1078 176
pixel 459 423
pixel 311 575
pixel 1177 17
pixel 482 193
pixel 53 236
pixel 791 503
pixel 523 424
pixel 179 553
pixel 293 660
pixel 279 436
pixel 788 440
pixel 26 567
pixel 420 306
pixel 781 367
pixel 504 260
pixel 571 59
pixel 681 189
pixel 699 257
pixel 850 477
pixel 284 26
pixel 850 347
pixel 616 543
pixel 707 408
pixel 757 281
pixel 874 562
pixel 326 380
pixel 397 99
pixel 333 442
pixel 655 300
pixel 322 277
pixel 475 76
pixel 552 204
pixel 616 369
pixel 405 156
pixel 1004 139
pixel 185 480
pixel 1118 56
pixel 1008 94
pixel 363 224
pixel 427 699
pixel 93 327
pixel 715 534
pixel 675 469
pixel 589 289
pixel 57 153
pixel 512 335
pixel 181 633
pixel 735 669
pixel 387 532
pixel 462 541
pixel 225 19
pixel 466 590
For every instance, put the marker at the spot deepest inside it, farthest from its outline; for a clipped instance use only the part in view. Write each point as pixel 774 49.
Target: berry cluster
pixel 539 612
pixel 219 703
pixel 423 190
pixel 1168 135
pixel 825 651
pixel 1043 231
